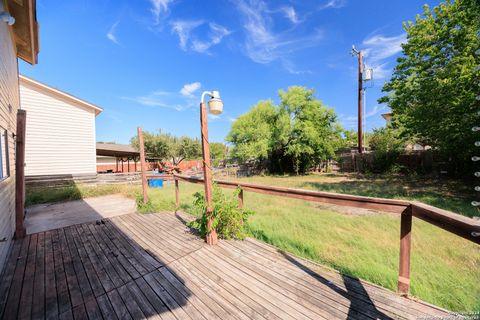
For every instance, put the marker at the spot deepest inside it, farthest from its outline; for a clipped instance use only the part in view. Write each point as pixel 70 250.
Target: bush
pixel 144 207
pixel 387 147
pixel 228 219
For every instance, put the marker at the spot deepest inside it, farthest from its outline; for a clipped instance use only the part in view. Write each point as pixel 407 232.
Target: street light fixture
pixel 215 106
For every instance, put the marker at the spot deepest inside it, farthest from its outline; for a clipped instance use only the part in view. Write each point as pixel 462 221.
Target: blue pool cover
pixel 155 183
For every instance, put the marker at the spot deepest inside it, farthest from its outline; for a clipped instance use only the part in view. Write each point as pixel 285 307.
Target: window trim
pixel 4 149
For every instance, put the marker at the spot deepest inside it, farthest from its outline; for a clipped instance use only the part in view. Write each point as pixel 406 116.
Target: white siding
pixel 102 160
pixel 60 137
pixel 9 104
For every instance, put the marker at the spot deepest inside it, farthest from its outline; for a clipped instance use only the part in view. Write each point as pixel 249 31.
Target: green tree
pixel 218 152
pixel 185 148
pixel 387 146
pixel 166 147
pixel 294 136
pixel 350 139
pixel 386 140
pixel 314 133
pixel 251 133
pixel 434 88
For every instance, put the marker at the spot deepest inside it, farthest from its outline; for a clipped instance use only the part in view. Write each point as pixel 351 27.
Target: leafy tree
pixel 218 151
pixel 166 147
pixel 314 133
pixel 185 148
pixel 350 138
pixel 251 133
pixel 434 88
pixel 293 136
pixel 386 140
pixel 387 147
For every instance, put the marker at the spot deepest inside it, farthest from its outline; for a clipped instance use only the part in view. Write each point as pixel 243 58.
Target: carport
pixel 122 153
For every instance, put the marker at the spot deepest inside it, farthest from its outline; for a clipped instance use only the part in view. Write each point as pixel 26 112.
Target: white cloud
pixel 213 117
pixel 184 29
pixel 376 110
pixel 159 7
pixel 334 4
pixel 351 122
pixel 154 99
pixel 263 44
pixel 216 35
pixel 290 14
pixel 381 71
pixel 378 49
pixel 189 88
pixel 181 100
pixel 111 33
pixel 232 119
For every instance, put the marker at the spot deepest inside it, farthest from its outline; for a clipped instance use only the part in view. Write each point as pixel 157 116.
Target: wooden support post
pixel 128 164
pixel 211 237
pixel 240 199
pixel 20 231
pixel 177 195
pixel 405 246
pixel 142 163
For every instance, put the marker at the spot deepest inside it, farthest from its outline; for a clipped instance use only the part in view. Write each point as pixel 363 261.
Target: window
pixel 4 161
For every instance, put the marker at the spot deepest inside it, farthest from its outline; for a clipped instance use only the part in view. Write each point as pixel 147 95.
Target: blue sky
pixel 146 62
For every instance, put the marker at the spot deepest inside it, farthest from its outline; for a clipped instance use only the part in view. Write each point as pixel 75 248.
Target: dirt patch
pixel 350 211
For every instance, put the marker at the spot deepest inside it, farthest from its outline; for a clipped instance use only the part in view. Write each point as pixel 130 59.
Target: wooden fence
pixel 462 226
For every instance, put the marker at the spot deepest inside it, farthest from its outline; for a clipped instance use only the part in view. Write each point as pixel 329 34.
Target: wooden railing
pixel 462 226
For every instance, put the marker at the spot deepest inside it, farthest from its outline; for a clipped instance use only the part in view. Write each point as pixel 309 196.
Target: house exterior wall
pixel 60 136
pixel 9 104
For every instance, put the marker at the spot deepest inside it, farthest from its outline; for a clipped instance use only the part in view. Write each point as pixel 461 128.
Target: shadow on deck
pixel 152 266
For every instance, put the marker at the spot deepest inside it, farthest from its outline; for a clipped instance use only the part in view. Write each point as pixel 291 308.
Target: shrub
pixel 144 207
pixel 387 147
pixel 228 219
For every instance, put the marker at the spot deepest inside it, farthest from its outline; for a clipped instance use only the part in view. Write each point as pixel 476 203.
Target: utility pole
pixel 359 55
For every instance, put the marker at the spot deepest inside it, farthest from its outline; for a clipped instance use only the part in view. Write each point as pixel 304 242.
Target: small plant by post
pixel 229 220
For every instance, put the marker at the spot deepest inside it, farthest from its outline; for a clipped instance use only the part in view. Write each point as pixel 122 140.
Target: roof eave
pixel 50 90
pixel 25 29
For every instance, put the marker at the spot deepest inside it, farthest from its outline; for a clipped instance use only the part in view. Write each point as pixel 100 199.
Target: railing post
pixel 20 231
pixel 240 199
pixel 405 246
pixel 177 195
pixel 142 161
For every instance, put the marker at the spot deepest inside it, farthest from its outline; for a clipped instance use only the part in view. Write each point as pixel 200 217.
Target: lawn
pixel 445 268
pixel 452 195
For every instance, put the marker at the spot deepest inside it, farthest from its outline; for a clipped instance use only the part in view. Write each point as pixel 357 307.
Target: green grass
pixel 68 193
pixel 452 195
pixel 445 268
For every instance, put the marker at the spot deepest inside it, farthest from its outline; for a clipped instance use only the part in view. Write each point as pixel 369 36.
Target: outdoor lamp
pixel 7 18
pixel 215 107
pixel 215 104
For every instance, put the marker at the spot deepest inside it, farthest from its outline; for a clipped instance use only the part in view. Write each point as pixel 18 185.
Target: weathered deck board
pixel 151 266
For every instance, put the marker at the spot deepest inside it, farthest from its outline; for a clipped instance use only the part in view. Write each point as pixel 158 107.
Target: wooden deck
pixel 151 266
